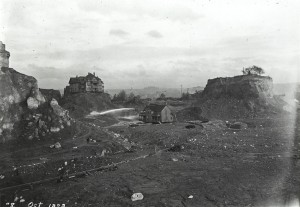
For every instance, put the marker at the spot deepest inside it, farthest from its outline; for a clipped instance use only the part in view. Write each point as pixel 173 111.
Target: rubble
pixel 103 153
pixel 137 197
pixel 56 145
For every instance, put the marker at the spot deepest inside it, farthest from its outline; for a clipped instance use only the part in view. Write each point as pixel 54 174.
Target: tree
pixel 114 97
pixel 121 96
pixel 162 96
pixel 132 99
pixel 131 96
pixel 254 70
pixel 185 96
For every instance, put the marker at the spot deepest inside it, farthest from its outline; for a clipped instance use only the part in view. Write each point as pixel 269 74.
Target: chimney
pixel 4 56
pixel 94 73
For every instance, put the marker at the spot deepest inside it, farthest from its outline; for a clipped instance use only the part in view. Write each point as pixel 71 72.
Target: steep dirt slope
pixel 81 104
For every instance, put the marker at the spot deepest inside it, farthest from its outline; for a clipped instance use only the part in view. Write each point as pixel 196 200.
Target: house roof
pixel 82 79
pixel 92 76
pixel 155 107
pixel 77 80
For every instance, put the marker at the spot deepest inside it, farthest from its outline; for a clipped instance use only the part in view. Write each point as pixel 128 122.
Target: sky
pixel 139 43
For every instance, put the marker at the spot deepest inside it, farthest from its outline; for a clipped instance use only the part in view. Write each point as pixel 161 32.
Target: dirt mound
pixel 239 97
pixel 81 104
pixel 190 113
pixel 24 110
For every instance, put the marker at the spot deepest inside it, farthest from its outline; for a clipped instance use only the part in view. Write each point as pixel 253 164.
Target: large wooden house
pixel 154 113
pixel 81 84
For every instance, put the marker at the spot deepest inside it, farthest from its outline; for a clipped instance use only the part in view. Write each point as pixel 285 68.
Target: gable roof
pixel 91 76
pixel 77 79
pixel 155 107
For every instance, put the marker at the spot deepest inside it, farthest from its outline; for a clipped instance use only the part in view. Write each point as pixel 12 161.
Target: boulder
pixel 57 145
pixel 17 92
pixel 32 103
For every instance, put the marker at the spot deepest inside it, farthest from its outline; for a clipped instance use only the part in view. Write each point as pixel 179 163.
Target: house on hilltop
pixel 156 113
pixel 83 84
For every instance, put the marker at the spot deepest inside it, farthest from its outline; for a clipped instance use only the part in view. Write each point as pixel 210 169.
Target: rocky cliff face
pixel 240 87
pixel 24 110
pixel 239 96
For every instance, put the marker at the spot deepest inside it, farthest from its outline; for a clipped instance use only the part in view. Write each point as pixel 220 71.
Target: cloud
pixel 118 33
pixel 169 9
pixel 154 34
pixel 197 40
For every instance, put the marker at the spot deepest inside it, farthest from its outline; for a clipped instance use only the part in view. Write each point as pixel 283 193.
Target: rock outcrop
pixel 82 104
pixel 240 87
pixel 239 96
pixel 50 94
pixel 24 111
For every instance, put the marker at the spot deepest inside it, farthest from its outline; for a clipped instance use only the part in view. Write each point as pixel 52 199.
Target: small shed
pixel 154 113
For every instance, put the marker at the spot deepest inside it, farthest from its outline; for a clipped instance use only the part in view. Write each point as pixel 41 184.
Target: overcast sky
pixel 140 43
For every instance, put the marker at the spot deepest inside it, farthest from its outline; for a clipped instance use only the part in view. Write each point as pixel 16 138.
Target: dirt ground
pixel 209 165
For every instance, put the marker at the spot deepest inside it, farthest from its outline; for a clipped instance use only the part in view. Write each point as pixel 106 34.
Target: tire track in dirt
pixel 82 173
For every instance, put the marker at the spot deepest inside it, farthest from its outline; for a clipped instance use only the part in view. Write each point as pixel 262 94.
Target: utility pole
pixel 181 89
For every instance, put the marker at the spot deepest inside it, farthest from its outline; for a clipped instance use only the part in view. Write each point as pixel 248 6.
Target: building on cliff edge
pixel 84 84
pixel 4 56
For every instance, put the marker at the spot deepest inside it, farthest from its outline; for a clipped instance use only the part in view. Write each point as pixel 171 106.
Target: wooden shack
pixel 155 113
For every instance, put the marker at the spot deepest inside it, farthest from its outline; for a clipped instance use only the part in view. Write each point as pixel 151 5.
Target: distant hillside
pixel 154 92
pixel 286 89
pixel 148 92
pixel 194 89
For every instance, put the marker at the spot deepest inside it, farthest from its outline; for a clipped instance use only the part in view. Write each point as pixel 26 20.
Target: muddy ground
pixel 209 165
